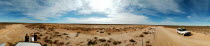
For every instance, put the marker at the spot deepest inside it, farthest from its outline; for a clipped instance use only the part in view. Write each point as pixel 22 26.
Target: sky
pixel 154 12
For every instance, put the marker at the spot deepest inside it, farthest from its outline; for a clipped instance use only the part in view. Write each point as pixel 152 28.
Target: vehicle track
pixel 13 33
pixel 169 37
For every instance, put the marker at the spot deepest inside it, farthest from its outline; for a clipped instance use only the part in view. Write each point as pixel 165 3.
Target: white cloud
pixel 1 13
pixel 117 18
pixel 199 11
pixel 22 19
pixel 172 23
pixel 56 8
pixel 114 9
pixel 165 6
pixel 189 16
pixel 102 6
pixel 181 23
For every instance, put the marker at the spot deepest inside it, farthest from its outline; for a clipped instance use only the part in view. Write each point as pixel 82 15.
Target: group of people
pixel 32 38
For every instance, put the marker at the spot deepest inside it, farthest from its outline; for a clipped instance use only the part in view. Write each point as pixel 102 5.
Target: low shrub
pixel 65 34
pixel 141 35
pixel 132 40
pixel 117 42
pixel 61 43
pixel 48 41
pixel 147 41
pixel 91 42
pixel 56 42
pixel 145 33
pixel 109 33
pixel 102 40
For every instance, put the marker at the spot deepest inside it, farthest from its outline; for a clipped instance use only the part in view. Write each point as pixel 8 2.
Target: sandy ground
pixel 113 35
pixel 14 33
pixel 169 37
pixel 66 35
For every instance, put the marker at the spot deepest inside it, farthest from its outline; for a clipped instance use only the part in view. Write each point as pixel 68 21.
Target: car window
pixel 181 29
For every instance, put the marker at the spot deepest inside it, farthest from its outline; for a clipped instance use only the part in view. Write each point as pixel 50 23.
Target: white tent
pixel 27 44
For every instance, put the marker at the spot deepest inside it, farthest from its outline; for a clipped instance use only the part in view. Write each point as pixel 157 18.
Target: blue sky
pixel 163 12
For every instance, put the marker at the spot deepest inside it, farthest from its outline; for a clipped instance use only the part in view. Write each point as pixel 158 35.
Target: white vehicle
pixel 183 31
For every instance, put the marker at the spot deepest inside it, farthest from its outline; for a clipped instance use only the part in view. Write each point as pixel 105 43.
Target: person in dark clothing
pixel 26 38
pixel 35 37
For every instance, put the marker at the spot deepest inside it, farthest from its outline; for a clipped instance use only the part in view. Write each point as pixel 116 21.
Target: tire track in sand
pixel 14 32
pixel 169 37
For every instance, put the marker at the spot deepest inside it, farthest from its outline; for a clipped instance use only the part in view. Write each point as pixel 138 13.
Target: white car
pixel 183 31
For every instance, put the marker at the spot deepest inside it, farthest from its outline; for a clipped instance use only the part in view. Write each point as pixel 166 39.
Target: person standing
pixel 26 38
pixel 32 38
pixel 35 37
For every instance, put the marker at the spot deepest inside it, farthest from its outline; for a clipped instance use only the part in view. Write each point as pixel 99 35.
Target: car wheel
pixel 178 33
pixel 183 34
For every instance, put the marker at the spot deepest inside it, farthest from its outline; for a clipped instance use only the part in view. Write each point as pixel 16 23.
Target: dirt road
pixel 14 33
pixel 169 37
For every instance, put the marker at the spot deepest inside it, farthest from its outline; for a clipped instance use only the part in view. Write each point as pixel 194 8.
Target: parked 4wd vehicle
pixel 183 31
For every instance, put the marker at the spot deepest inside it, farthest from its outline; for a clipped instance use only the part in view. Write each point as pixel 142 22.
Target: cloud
pixel 1 13
pixel 199 11
pixel 165 6
pixel 22 19
pixel 162 6
pixel 172 23
pixel 117 14
pixel 117 18
pixel 198 18
pixel 181 23
pixel 189 16
pixel 114 10
pixel 103 6
pixel 42 11
pixel 55 8
pixel 200 5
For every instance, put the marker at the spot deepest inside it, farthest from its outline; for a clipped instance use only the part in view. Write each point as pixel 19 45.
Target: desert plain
pixel 104 34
